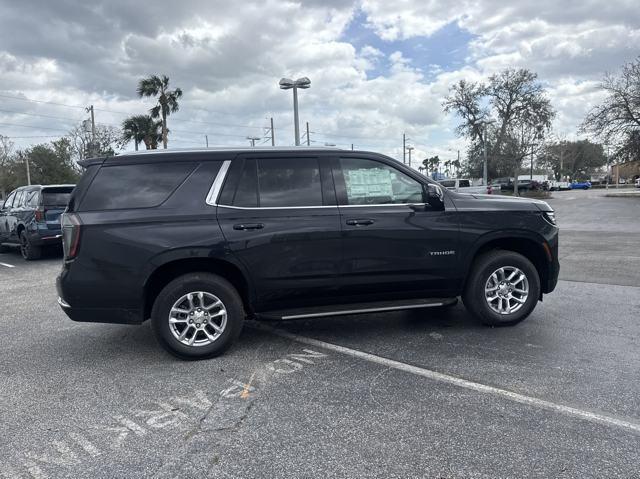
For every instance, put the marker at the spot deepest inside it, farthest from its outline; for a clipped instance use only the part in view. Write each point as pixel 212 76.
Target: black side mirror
pixel 435 197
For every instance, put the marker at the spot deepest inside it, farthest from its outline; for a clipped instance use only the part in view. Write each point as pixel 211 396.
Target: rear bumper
pixel 97 315
pixel 45 237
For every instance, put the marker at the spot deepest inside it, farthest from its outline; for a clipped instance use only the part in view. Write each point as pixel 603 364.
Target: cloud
pixel 228 57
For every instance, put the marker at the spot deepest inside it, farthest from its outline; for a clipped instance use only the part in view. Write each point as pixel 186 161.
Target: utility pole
pixel 92 148
pixel 484 152
pixel 351 146
pixel 531 174
pixel 308 137
pixel 562 162
pixel 206 139
pixel 273 135
pixel 404 148
pixel 608 173
pixel 458 164
pixel 26 160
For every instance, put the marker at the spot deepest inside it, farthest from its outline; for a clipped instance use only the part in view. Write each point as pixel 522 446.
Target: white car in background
pixel 638 183
pixel 464 185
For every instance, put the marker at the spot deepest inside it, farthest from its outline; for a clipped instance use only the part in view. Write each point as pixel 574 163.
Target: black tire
pixel 28 251
pixel 474 296
pixel 197 282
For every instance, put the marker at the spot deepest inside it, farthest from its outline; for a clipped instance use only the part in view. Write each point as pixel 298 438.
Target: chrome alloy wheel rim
pixel 197 318
pixel 506 290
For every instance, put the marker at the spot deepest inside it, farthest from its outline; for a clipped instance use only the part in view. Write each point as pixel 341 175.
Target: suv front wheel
pixel 502 289
pixel 197 316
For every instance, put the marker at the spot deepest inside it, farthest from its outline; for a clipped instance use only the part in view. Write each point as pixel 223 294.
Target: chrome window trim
pixel 312 207
pixel 216 187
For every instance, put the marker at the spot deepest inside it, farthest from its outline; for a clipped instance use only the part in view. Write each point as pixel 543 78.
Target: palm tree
pixel 155 86
pixel 142 129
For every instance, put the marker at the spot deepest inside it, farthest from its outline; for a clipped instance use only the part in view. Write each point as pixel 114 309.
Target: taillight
pixel 39 215
pixel 70 235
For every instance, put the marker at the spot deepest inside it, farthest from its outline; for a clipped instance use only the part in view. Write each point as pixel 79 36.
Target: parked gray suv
pixel 30 218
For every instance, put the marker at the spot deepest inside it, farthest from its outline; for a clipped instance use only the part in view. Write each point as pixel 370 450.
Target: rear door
pixel 395 244
pixel 279 216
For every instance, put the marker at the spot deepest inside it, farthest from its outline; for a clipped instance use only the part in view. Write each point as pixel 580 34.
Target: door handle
pixel 248 226
pixel 361 222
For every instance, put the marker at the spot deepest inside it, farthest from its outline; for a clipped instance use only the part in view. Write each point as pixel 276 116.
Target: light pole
pixel 253 140
pixel 484 124
pixel 288 84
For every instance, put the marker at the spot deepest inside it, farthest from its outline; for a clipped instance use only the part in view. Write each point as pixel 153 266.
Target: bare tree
pixel 616 121
pixel 108 140
pixel 517 104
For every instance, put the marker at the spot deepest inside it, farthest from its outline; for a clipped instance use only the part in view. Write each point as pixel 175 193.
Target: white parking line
pixel 463 383
pixel 7 265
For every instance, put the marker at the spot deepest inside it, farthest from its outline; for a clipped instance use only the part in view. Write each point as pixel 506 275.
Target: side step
pixel 356 308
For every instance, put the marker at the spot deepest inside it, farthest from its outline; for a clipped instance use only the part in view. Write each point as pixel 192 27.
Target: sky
pixel 378 68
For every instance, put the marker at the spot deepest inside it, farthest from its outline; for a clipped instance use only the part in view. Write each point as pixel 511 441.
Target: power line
pixel 104 110
pixel 35 127
pixel 40 115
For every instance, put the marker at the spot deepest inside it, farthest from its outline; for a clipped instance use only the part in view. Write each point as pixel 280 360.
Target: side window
pixel 286 182
pixel 246 194
pixel 449 183
pixel 17 203
pixel 464 184
pixel 370 182
pixel 9 201
pixel 134 186
pixel 33 199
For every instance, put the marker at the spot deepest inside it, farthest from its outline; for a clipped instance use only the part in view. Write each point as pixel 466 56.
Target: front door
pixel 279 217
pixel 5 218
pixel 394 243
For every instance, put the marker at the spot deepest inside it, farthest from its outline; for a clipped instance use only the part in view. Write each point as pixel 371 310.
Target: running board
pixel 359 308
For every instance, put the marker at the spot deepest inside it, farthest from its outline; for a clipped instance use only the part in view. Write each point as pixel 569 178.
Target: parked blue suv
pixel 30 218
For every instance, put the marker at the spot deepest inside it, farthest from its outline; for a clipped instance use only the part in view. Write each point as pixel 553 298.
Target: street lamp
pixel 253 139
pixel 484 124
pixel 288 84
pixel 409 149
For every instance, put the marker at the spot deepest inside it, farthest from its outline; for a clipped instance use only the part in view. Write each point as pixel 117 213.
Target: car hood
pixel 481 201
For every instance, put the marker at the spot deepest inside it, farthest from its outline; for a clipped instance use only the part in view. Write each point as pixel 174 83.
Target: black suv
pixel 30 218
pixel 198 240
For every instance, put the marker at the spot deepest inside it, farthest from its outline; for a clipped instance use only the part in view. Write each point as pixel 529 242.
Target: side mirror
pixel 435 197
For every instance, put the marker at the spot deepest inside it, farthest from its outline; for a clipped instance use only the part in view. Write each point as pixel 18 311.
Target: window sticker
pixel 365 183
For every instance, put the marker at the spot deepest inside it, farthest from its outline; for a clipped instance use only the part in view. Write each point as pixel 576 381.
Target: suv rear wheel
pixel 197 316
pixel 27 250
pixel 503 288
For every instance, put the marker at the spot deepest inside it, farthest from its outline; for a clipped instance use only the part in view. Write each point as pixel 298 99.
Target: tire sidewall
pixel 197 282
pixel 485 269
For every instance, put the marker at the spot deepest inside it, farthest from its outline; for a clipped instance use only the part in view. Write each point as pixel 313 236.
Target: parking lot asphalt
pixel 406 394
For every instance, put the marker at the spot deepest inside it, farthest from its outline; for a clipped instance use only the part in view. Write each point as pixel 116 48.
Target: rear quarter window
pixel 56 196
pixel 134 186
